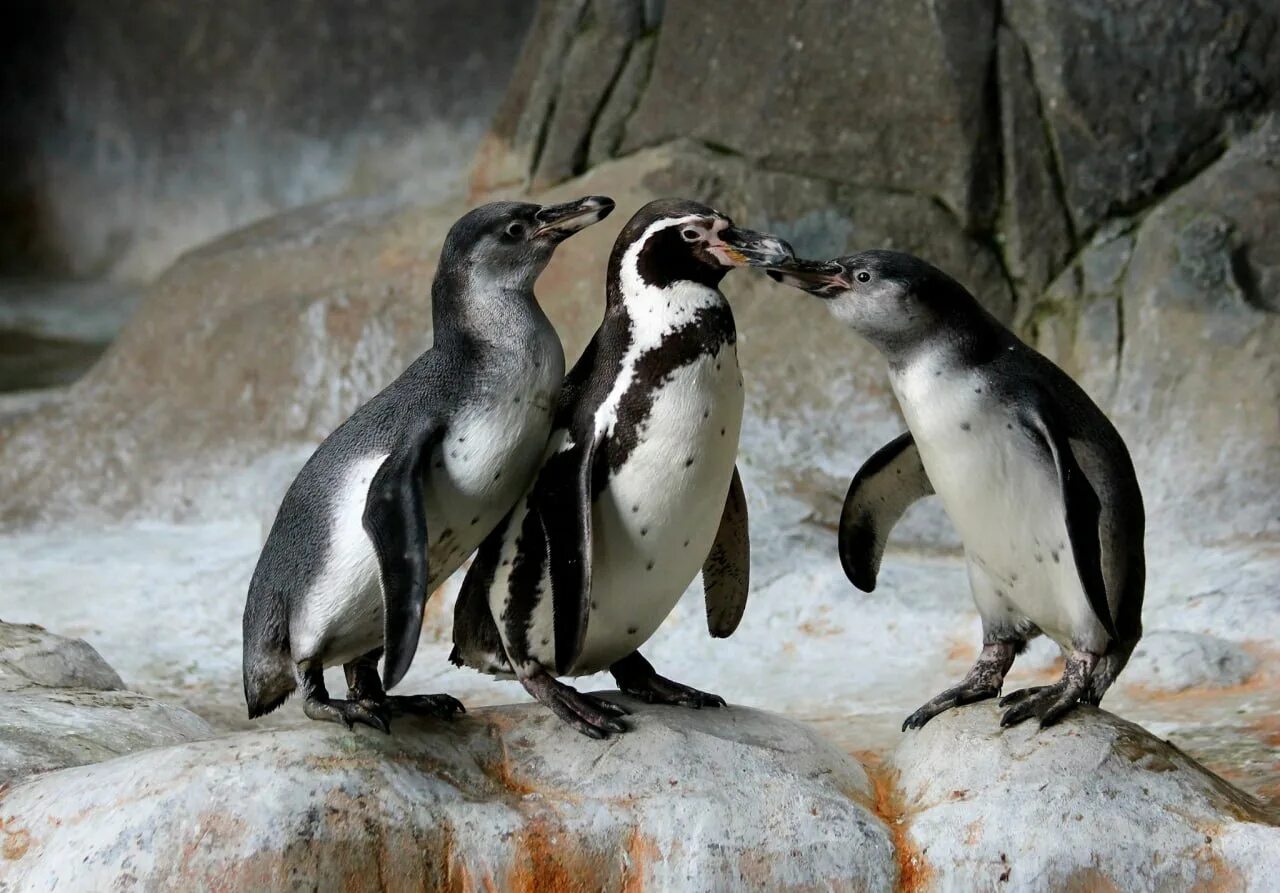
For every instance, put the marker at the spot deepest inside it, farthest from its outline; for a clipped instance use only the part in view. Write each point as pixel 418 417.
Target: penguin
pixel 397 497
pixel 1035 478
pixel 639 490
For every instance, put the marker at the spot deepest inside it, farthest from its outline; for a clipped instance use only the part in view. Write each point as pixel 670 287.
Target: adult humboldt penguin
pixel 639 490
pixel 1034 476
pixel 395 499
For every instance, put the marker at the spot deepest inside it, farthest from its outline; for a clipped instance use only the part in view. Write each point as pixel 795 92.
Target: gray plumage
pixel 395 499
pixel 1035 477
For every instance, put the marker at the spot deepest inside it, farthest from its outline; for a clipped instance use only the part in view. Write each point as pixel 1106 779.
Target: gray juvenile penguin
pixel 396 498
pixel 1032 473
pixel 639 490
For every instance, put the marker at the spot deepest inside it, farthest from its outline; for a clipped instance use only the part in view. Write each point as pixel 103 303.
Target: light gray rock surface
pixel 1095 803
pixel 64 706
pixel 30 655
pixel 506 799
pixel 1174 660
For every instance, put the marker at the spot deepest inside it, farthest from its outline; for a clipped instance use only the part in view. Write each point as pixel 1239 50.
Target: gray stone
pixel 143 130
pixel 1128 114
pixel 30 656
pixel 1199 378
pixel 1173 661
pixel 621 101
pixel 1033 224
pixel 593 65
pixel 886 95
pixel 505 798
pixel 46 729
pixel 1094 803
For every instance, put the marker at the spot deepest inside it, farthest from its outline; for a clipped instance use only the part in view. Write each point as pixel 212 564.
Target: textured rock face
pixel 504 799
pixel 1128 115
pixel 1168 324
pixel 63 706
pixel 137 132
pixel 1095 803
pixel 32 656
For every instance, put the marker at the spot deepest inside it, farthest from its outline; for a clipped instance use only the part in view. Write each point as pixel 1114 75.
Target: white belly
pixel 654 524
pixel 1005 500
pixel 481 468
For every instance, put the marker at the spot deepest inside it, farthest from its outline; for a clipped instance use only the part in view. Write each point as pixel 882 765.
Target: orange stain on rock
pixel 914 873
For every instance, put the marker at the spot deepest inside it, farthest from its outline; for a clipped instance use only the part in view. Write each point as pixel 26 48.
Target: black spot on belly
pixel 594 605
pixel 475 520
pixel 688 462
pixel 1013 578
pixel 546 642
pixel 1054 556
pixel 462 439
pixel 722 432
pixel 497 474
pixel 649 566
pixel 1009 425
pixel 515 399
pixel 964 426
pixel 706 414
pixel 634 509
pixel 453 454
pixel 644 531
pixel 686 544
pixel 977 390
pixel 632 630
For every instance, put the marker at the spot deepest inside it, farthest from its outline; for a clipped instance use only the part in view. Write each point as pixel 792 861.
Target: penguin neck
pixel 485 314
pixel 658 303
pixel 965 343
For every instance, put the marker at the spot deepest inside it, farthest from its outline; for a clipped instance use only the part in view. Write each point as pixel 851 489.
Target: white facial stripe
pixel 654 311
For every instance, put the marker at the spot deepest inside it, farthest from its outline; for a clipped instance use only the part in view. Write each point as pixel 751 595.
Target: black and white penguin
pixel 396 498
pixel 1034 476
pixel 639 491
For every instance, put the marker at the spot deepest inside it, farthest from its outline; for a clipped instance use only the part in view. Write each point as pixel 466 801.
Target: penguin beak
pixel 562 221
pixel 736 247
pixel 823 279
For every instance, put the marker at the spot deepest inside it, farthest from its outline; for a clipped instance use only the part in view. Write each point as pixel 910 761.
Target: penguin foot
pixel 636 677
pixel 442 706
pixel 592 716
pixel 957 696
pixel 1049 703
pixel 370 713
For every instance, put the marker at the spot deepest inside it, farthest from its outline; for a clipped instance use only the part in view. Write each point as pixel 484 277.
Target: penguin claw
pixel 590 715
pixel 1017 697
pixel 958 696
pixel 442 706
pixel 349 713
pixel 1049 703
pixel 660 690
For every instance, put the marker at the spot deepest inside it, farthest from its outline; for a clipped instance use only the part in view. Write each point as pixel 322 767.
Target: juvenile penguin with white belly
pixel 639 491
pixel 1034 476
pixel 396 498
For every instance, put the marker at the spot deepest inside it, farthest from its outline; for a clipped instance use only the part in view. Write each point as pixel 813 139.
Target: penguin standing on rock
pixel 1034 476
pixel 395 499
pixel 639 489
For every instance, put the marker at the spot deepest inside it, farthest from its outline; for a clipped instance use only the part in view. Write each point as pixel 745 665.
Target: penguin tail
pixel 269 672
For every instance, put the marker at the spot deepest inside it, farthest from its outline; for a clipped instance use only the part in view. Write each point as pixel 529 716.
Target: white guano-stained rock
pixel 1095 803
pixel 505 798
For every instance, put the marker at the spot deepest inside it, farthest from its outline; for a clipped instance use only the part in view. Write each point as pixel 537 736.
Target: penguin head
pixel 889 297
pixel 508 244
pixel 676 240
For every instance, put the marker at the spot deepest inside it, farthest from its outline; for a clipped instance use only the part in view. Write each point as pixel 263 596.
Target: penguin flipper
pixel 885 486
pixel 562 498
pixel 397 524
pixel 1081 505
pixel 726 573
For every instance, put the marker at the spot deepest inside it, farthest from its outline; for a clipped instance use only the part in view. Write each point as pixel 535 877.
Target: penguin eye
pixel 515 230
pixel 864 276
pixel 690 235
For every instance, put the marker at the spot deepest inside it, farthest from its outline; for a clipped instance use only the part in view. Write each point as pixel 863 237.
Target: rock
pixel 150 129
pixel 1034 223
pixel 1173 661
pixel 1126 115
pixel 504 798
pixel 884 95
pixel 32 656
pixel 1093 803
pixel 47 729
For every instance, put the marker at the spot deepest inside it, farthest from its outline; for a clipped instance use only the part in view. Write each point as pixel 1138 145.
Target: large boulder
pixel 507 799
pixel 1094 803
pixel 1128 115
pixel 1172 324
pixel 64 706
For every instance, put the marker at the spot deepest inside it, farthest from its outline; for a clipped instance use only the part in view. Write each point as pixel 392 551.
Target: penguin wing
pixel 1080 502
pixel 726 574
pixel 397 524
pixel 562 498
pixel 883 489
